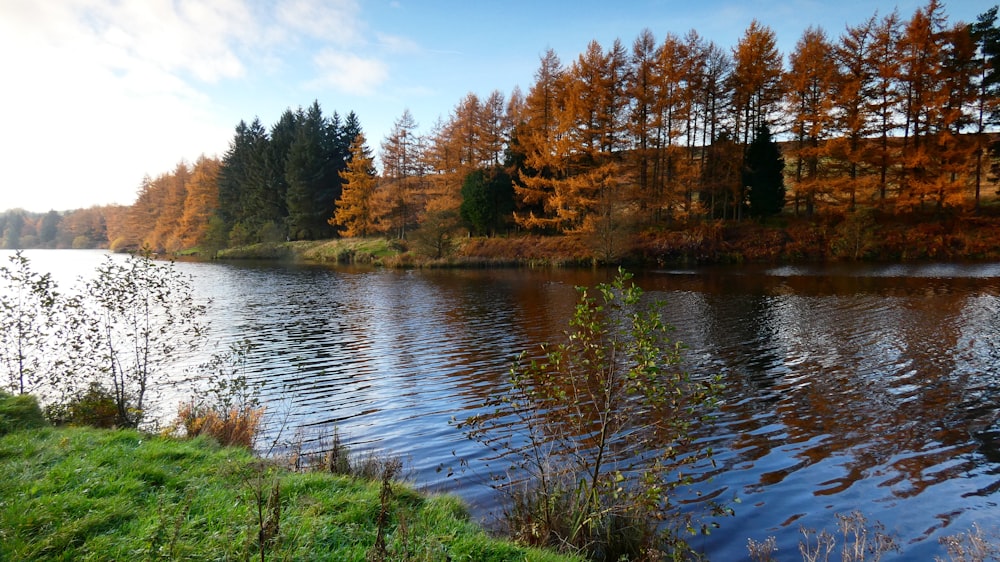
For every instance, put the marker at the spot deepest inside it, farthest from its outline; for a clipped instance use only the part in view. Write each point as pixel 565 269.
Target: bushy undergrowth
pixel 89 494
pixel 554 250
pixel 236 427
pixel 19 412
pixel 95 406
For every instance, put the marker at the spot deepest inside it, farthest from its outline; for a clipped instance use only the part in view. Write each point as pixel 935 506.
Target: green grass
pixel 342 250
pixel 90 494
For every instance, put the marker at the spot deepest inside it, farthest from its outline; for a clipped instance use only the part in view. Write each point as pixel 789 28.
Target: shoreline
pixel 786 241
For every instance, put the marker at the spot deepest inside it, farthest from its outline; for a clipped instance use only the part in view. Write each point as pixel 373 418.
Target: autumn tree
pixel 886 99
pixel 712 103
pixel 671 182
pixel 202 202
pixel 473 137
pixel 641 89
pixel 756 81
pixel 173 188
pixel 810 83
pixel 585 128
pixel 143 214
pixel 536 139
pixel 956 148
pixel 936 82
pixel 853 114
pixel 398 196
pixel 756 84
pixel 721 176
pixel 355 213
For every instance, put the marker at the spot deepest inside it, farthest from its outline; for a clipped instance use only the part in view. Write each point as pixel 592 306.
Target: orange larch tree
pixel 756 81
pixel 538 137
pixel 202 202
pixel 355 212
pixel 671 188
pixel 641 88
pixel 400 193
pixel 854 90
pixel 809 84
pixel 886 101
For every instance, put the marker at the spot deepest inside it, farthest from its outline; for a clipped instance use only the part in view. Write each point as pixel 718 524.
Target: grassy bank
pixel 860 237
pixel 344 250
pixel 90 494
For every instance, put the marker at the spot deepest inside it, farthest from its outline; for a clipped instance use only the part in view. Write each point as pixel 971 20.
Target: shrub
pixel 28 325
pixel 95 407
pixel 858 542
pixel 229 409
pixel 598 433
pixel 132 319
pixel 19 412
pixel 231 427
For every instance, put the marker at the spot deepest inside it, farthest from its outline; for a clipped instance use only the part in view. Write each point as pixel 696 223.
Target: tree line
pixel 895 114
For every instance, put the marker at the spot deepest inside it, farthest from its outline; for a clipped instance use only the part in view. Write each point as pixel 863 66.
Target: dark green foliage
pixel 49 229
pixel 19 412
pixel 310 194
pixel 240 177
pixel 285 183
pixel 10 230
pixel 763 176
pixel 986 34
pixel 487 200
pixel 95 407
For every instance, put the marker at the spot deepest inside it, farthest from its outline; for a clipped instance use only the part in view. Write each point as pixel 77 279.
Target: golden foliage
pixel 236 426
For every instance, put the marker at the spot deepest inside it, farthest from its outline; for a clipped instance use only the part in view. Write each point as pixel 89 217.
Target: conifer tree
pixel 986 35
pixel 355 213
pixel 304 168
pixel 764 175
pixel 201 203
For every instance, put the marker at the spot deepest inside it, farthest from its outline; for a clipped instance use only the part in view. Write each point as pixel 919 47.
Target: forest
pixel 893 120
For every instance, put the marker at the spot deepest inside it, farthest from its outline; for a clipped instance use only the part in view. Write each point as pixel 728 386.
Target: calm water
pixel 847 387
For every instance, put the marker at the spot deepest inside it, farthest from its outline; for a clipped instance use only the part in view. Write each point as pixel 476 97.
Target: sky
pixel 96 94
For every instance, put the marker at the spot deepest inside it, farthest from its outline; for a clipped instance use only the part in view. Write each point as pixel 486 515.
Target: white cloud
pixel 349 73
pixel 397 44
pixel 96 96
pixel 98 93
pixel 332 21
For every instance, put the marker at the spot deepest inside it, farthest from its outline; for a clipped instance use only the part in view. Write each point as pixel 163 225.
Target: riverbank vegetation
pixel 876 143
pixel 80 493
pixel 597 436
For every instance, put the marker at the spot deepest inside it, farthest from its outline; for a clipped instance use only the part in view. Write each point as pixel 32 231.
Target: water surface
pixel 848 387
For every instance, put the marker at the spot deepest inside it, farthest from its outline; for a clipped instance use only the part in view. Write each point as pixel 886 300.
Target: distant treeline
pixel 893 115
pixel 82 228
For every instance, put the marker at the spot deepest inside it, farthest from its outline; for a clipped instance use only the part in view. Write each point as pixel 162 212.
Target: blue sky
pixel 97 93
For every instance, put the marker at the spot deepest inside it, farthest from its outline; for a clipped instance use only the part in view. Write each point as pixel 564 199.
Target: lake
pixel 848 387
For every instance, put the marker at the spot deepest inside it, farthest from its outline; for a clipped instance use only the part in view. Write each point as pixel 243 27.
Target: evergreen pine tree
pixel 763 176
